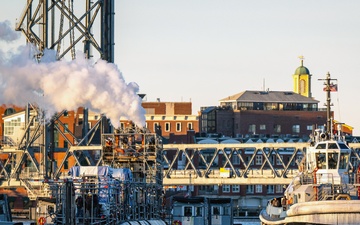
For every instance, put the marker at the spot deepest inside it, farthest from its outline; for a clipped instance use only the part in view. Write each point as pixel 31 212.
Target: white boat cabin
pixel 330 160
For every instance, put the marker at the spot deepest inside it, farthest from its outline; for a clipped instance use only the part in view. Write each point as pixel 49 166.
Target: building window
pixel 187 211
pixel 262 127
pixel 66 128
pixel 296 129
pixel 198 211
pixel 321 127
pixel 270 189
pixel 258 188
pixel 249 189
pixel 178 127
pixel 66 144
pixel 226 188
pixel 122 125
pixel 279 188
pixel 278 162
pixel 309 127
pixel 235 188
pixel 235 159
pixel 248 158
pixel 66 114
pixel 190 126
pixel 156 126
pixel 271 159
pixel 258 160
pixel 252 128
pixel 277 128
pixel 8 129
pixel 216 210
pixel 167 127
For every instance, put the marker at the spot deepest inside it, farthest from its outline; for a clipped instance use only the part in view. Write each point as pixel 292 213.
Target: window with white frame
pixel 278 162
pixel 309 127
pixel 190 126
pixel 178 127
pixel 235 188
pixel 226 188
pixel 262 127
pixel 258 188
pixel 296 129
pixel 249 189
pixel 156 125
pixel 8 129
pixel 258 160
pixel 167 127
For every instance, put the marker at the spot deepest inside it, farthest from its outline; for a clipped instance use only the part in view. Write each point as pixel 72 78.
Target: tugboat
pixel 324 191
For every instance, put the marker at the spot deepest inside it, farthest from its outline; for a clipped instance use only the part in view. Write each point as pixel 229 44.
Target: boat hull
pixel 320 212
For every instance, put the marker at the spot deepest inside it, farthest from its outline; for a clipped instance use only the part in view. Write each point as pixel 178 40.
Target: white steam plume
pixel 58 85
pixel 7 33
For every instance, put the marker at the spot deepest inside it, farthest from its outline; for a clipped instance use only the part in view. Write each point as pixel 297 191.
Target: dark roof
pixel 269 96
pixel 209 109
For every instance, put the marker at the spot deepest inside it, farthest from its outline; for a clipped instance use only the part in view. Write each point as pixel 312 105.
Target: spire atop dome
pixel 302 60
pixel 302 69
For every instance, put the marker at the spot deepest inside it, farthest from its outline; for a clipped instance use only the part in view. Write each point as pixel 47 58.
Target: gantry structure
pixel 62 25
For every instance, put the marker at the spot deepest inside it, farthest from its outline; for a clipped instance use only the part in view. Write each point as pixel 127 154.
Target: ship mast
pixel 328 88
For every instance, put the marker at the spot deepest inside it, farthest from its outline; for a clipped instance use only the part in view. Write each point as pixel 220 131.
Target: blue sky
pixel 205 50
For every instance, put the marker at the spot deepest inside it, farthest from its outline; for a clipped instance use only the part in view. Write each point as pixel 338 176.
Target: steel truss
pixel 198 164
pixel 59 25
pixel 30 160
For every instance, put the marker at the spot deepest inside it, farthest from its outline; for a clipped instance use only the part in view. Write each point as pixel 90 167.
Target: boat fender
pixel 343 196
pixel 41 220
pixel 289 201
pixel 176 222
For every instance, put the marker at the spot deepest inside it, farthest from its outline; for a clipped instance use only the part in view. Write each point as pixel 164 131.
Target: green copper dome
pixel 302 69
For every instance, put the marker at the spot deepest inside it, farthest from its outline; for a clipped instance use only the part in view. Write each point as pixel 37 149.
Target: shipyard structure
pixel 76 168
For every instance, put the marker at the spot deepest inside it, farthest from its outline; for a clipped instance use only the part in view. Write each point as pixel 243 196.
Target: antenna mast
pixel 328 89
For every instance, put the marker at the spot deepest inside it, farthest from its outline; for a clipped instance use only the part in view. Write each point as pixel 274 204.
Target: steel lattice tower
pixel 62 25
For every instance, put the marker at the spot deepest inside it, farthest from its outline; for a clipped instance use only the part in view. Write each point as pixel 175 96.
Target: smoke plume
pixel 66 85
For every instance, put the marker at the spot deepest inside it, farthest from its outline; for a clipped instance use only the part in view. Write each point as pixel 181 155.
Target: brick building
pixel 268 113
pixel 173 120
